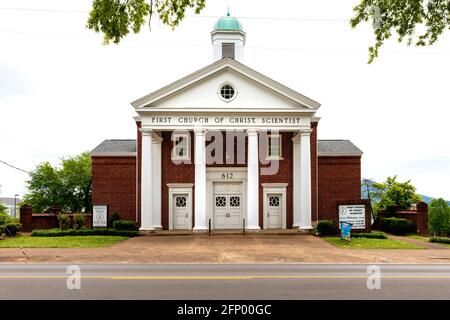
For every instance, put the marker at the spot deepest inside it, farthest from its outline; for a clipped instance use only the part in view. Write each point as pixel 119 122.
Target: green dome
pixel 229 24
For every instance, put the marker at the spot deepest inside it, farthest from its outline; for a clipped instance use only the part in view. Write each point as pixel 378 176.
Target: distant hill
pixel 364 195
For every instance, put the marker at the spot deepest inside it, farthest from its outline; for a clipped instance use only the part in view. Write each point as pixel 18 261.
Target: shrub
pixel 78 221
pixel 396 226
pixel 326 228
pixel 64 221
pixel 12 227
pixel 114 217
pixel 370 235
pixel 124 225
pixel 440 239
pixel 84 232
pixel 4 219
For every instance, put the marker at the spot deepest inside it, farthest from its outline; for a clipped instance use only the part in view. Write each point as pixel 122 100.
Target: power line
pixel 331 50
pixel 27 146
pixel 10 165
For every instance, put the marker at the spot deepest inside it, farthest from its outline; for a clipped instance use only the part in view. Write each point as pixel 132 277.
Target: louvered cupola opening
pixel 228 50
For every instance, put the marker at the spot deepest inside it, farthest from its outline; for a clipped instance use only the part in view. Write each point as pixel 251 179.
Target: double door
pixel 228 203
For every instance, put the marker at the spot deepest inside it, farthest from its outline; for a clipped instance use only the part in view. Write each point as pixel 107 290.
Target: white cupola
pixel 228 38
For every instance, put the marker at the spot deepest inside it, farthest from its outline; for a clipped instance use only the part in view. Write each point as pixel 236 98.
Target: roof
pixel 115 147
pixel 337 148
pixel 324 148
pixel 228 24
pixel 9 201
pixel 217 66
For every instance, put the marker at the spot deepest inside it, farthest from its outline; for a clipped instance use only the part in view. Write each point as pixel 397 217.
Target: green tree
pixel 76 178
pixel 68 186
pixel 3 208
pixel 394 195
pixel 439 217
pixel 404 17
pixel 116 18
pixel 45 188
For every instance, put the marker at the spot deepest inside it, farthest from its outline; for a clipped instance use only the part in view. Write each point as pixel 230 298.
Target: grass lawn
pixel 426 239
pixel 364 243
pixel 61 242
pixel 416 237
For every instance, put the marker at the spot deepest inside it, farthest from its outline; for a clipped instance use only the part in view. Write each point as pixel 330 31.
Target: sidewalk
pixel 224 249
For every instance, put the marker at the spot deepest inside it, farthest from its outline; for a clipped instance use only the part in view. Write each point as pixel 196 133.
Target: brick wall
pixel 33 221
pixel 314 174
pixel 284 175
pixel 418 217
pixel 114 183
pixel 174 173
pixel 339 178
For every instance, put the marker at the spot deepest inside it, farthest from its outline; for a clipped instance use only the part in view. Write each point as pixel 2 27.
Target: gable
pixel 200 91
pixel 205 94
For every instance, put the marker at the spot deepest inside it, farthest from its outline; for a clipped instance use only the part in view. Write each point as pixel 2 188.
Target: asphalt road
pixel 202 281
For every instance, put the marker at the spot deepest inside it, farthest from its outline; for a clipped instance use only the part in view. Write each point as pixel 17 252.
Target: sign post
pixel 346 229
pixel 99 216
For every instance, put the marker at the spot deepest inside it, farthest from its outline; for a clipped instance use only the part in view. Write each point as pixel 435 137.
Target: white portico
pixel 225 97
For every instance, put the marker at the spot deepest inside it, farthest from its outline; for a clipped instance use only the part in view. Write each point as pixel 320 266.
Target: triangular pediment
pixel 201 91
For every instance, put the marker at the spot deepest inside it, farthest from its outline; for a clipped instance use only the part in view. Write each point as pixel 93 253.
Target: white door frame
pixel 219 174
pixel 180 188
pixel 274 188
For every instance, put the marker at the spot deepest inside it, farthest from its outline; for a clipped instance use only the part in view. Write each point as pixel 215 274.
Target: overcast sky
pixel 63 92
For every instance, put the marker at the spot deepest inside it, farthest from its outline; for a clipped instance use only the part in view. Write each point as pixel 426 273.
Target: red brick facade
pixel 332 178
pixel 174 173
pixel 339 179
pixel 114 184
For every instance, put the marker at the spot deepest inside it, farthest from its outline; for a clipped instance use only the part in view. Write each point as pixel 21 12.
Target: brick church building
pixel 225 146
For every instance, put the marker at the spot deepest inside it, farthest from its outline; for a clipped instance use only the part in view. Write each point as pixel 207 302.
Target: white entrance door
pixel 227 206
pixel 274 213
pixel 180 212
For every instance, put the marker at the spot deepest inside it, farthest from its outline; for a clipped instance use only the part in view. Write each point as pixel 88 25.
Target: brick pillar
pixel 26 218
pixel 55 209
pixel 422 219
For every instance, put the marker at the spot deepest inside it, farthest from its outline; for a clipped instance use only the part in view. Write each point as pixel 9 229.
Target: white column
pixel 200 180
pixel 305 180
pixel 296 180
pixel 146 182
pixel 156 172
pixel 252 181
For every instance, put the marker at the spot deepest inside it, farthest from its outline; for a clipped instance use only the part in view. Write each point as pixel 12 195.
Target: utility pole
pixel 15 204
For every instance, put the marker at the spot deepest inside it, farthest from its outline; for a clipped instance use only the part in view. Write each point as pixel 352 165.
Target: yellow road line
pixel 224 277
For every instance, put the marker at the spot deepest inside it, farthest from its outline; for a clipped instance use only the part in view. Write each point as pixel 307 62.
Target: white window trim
pixel 188 154
pixel 229 84
pixel 280 157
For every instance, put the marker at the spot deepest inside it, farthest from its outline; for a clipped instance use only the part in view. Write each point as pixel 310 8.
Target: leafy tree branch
pixel 406 18
pixel 116 18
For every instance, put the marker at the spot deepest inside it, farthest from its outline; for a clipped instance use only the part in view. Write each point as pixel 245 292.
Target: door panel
pixel 220 212
pixel 234 209
pixel 274 215
pixel 181 213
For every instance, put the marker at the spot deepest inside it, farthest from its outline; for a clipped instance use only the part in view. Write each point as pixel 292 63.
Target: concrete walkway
pixel 225 249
